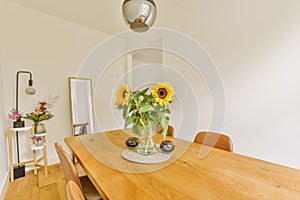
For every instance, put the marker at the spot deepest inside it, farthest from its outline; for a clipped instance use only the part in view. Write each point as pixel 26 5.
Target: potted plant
pixel 41 113
pixel 38 140
pixel 16 116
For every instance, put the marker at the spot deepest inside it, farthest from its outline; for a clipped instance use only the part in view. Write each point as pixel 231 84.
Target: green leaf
pixel 126 110
pixel 135 119
pixel 142 92
pixel 147 99
pixel 137 129
pixel 146 108
pixel 128 121
pixel 165 110
pixel 43 117
pixel 164 124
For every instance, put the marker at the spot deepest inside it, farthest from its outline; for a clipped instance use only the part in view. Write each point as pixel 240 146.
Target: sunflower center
pixel 124 94
pixel 162 93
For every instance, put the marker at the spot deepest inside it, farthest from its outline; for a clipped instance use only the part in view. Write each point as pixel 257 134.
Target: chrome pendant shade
pixel 139 14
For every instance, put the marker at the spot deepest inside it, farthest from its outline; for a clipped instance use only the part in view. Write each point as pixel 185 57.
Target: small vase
pixel 18 124
pixel 146 144
pixel 39 143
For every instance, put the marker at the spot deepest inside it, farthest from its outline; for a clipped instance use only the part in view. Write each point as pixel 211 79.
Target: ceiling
pixel 101 15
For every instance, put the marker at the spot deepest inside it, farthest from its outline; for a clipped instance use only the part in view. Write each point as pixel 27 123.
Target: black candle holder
pixel 167 146
pixel 132 142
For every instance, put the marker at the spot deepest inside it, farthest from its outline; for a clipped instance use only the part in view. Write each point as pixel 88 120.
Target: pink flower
pixel 37 138
pixel 14 114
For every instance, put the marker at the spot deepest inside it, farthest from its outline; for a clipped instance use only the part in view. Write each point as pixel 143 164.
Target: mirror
pixel 80 90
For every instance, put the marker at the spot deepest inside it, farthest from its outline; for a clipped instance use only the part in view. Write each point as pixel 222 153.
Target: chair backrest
pixel 74 192
pixel 170 131
pixel 216 140
pixel 67 166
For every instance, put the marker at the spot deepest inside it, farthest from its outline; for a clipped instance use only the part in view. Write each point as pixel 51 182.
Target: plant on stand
pixel 145 112
pixel 16 116
pixel 41 113
pixel 38 140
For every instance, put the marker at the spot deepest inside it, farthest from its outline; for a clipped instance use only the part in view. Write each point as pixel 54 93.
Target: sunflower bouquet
pixel 141 109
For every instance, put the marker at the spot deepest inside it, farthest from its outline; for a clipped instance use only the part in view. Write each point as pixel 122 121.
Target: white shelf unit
pixel 34 149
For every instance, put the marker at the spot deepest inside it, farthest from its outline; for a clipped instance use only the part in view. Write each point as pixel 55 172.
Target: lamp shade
pixel 139 15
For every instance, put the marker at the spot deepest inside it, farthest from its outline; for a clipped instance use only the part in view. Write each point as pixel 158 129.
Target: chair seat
pixel 89 190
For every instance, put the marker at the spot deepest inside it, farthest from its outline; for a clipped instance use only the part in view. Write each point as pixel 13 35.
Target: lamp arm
pixel 17 85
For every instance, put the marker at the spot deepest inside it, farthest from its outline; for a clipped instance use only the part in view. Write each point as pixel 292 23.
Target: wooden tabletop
pixel 190 173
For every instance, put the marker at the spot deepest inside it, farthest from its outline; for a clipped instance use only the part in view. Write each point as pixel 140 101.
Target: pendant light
pixel 139 15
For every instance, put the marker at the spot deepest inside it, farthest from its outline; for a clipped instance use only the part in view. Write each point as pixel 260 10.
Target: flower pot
pixel 39 143
pixel 39 128
pixel 146 144
pixel 18 124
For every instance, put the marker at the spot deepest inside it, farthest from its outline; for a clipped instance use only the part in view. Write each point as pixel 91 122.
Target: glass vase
pixel 39 143
pixel 39 128
pixel 147 144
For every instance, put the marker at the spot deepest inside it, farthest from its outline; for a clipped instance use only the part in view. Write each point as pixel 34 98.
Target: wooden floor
pixel 37 187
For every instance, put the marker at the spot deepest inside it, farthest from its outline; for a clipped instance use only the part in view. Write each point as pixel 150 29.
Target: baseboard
pixel 4 185
pixel 53 160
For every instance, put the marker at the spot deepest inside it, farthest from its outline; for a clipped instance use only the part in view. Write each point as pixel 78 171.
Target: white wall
pixel 104 93
pixel 3 138
pixel 255 45
pixel 53 50
pixel 192 97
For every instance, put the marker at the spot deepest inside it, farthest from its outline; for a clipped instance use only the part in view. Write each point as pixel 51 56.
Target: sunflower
pixel 123 95
pixel 163 93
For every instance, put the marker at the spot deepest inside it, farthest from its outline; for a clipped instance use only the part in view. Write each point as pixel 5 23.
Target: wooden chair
pixel 216 140
pixel 74 192
pixel 170 131
pixel 71 174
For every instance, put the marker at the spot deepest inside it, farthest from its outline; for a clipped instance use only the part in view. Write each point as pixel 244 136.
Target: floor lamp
pixel 19 171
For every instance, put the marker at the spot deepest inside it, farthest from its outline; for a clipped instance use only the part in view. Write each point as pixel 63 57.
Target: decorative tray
pixel 157 157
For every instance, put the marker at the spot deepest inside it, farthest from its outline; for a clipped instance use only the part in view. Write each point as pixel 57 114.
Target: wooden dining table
pixel 193 171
